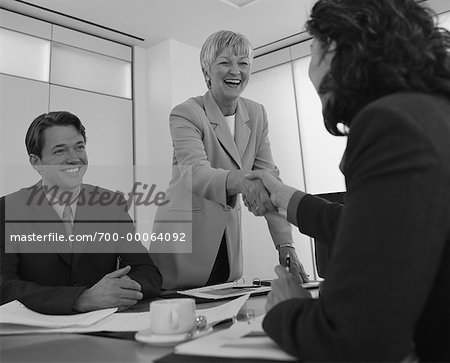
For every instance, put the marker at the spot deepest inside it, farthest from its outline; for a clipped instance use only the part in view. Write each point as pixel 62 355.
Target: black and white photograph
pixel 224 181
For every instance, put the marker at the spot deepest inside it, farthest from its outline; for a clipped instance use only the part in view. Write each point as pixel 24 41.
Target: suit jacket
pixel 387 285
pixel 204 154
pixel 46 276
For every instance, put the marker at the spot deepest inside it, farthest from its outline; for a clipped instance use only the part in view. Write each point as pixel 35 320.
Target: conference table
pixel 107 347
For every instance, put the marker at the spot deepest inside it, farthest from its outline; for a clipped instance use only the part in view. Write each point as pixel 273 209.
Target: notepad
pixel 225 291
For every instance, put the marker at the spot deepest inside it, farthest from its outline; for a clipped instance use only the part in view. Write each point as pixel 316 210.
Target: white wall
pixel 25 95
pixel 274 89
pixel 15 118
pixel 444 20
pixel 165 75
pixel 322 152
pixel 174 75
pixel 186 74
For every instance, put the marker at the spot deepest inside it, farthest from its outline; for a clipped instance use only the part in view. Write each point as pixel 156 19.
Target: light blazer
pixel 50 282
pixel 202 141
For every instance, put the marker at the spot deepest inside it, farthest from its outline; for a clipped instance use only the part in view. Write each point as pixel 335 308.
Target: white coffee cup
pixel 172 316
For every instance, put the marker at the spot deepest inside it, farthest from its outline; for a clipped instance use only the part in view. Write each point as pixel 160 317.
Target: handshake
pixel 262 192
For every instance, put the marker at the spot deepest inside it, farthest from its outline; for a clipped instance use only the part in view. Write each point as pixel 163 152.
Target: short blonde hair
pixel 220 40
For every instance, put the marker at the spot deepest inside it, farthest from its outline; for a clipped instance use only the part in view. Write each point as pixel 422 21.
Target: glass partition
pixel 91 71
pixel 16 51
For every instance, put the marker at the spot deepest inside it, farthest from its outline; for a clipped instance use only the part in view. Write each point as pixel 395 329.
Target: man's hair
pixel 382 47
pixel 221 40
pixel 34 140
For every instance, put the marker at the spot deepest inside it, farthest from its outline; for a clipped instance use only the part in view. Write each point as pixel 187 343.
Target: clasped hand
pixel 115 289
pixel 256 198
pixel 279 193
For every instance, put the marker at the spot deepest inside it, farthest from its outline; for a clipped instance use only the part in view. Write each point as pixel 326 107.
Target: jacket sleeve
pixel 315 216
pixel 44 299
pixel 384 260
pixel 59 299
pixel 56 300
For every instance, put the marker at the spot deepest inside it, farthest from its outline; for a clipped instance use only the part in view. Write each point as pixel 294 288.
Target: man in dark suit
pixel 69 247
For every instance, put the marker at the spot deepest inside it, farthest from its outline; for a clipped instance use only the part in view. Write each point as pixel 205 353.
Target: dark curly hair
pixel 382 47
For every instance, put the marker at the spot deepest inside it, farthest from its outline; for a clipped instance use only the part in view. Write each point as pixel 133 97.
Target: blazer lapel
pixel 221 129
pixel 242 130
pixel 47 220
pixel 84 223
pixel 92 218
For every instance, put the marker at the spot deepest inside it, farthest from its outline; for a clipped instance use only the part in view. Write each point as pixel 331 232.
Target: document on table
pixel 242 340
pixel 224 311
pixel 118 322
pixel 224 291
pixel 16 313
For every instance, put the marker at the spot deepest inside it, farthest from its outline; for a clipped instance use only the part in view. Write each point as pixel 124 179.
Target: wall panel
pixel 108 119
pixel 322 151
pixel 88 42
pixel 25 24
pixel 16 51
pixel 273 88
pixel 86 70
pixel 108 122
pixel 21 100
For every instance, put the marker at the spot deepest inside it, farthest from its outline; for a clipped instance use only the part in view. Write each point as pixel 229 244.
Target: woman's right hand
pixel 280 194
pixel 254 194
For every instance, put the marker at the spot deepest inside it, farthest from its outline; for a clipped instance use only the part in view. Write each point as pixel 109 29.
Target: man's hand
pixel 296 268
pixel 261 199
pixel 255 196
pixel 115 289
pixel 280 194
pixel 284 288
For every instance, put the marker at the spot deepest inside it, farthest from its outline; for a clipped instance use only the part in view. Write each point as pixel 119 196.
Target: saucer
pixel 167 340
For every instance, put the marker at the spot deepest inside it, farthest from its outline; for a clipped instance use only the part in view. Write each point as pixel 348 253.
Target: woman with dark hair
pixel 382 71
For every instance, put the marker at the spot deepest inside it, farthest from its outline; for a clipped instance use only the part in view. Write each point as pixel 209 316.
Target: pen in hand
pixel 288 263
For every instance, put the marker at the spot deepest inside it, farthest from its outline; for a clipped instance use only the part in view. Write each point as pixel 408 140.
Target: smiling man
pixel 52 257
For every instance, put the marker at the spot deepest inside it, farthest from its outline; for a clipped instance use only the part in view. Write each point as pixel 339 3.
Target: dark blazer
pixel 323 251
pixel 50 282
pixel 387 286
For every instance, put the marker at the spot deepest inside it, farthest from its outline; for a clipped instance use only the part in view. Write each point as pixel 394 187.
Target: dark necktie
pixel 67 219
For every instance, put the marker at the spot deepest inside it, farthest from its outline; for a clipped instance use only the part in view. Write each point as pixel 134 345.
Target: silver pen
pixel 288 263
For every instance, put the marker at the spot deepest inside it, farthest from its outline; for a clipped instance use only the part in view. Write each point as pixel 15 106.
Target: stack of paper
pixel 16 313
pixel 225 291
pixel 16 318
